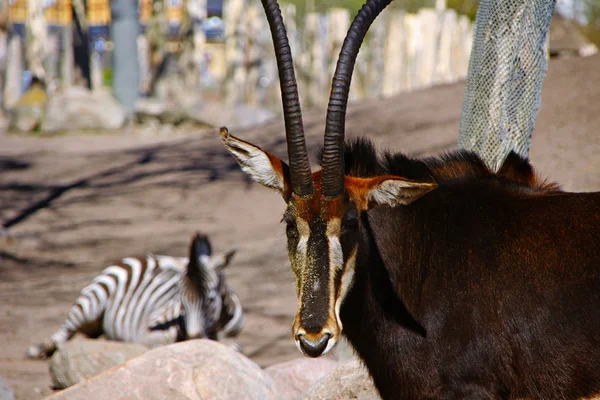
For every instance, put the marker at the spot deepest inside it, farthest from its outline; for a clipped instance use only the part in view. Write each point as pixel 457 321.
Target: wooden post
pixel 253 57
pixel 36 44
pixel 429 27
pixel 143 46
pixel 394 67
pixel 59 50
pixel 375 63
pixel 17 15
pixel 98 18
pixel 414 50
pixel 197 12
pixel 314 32
pixel 52 50
pixel 444 71
pixel 68 57
pixel 338 22
pixel 14 71
pixel 234 50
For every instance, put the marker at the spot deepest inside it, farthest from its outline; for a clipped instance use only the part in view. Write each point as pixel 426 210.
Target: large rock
pixel 190 370
pixel 6 392
pixel 80 108
pixel 349 380
pixel 297 376
pixel 81 359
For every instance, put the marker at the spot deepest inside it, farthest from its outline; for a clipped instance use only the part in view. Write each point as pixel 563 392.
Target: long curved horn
pixel 333 151
pixel 300 172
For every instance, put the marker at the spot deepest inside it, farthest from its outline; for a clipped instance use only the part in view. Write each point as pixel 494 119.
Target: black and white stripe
pixel 155 301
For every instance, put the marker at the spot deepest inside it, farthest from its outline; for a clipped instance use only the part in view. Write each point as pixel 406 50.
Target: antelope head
pixel 324 208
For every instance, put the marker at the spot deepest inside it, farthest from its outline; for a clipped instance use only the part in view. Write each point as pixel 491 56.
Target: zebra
pixel 154 301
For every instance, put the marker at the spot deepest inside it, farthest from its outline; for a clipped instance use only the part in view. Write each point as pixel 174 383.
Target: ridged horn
pixel 300 172
pixel 333 150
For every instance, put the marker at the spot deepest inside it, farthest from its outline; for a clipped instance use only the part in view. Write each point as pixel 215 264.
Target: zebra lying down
pixel 155 301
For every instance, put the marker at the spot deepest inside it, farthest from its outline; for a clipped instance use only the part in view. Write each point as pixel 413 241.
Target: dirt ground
pixel 125 193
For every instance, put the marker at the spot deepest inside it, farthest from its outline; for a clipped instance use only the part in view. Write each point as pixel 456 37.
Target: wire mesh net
pixel 507 66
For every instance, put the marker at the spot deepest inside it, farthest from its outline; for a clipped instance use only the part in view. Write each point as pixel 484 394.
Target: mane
pixel 363 160
pixel 196 271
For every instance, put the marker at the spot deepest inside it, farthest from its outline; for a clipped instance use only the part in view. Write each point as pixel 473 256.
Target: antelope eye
pixel 290 226
pixel 350 222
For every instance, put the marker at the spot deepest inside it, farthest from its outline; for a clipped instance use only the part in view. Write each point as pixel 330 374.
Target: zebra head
pixel 202 299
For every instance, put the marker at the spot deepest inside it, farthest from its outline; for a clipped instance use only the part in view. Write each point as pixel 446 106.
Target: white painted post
pixel 37 38
pixel 143 47
pixel 52 58
pixel 197 13
pixel 253 59
pixel 444 71
pixel 376 60
pixel 67 61
pixel 338 22
pixel 460 47
pixel 394 67
pixel 234 50
pixel 14 71
pixel 315 44
pixel 429 32
pixel 414 50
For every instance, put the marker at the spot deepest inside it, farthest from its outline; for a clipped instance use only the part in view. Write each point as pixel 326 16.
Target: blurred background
pixel 174 61
pixel 109 112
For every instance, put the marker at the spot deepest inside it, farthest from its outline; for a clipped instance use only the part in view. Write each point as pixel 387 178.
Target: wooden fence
pixel 401 52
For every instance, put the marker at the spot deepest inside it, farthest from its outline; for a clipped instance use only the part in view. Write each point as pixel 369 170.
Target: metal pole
pixel 124 31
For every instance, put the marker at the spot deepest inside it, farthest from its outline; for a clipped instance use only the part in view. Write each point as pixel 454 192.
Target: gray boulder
pixel 81 359
pixel 349 380
pixel 190 370
pixel 296 377
pixel 79 108
pixel 6 392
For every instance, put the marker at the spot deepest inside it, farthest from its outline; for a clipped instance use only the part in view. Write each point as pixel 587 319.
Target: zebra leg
pixel 85 316
pixel 49 346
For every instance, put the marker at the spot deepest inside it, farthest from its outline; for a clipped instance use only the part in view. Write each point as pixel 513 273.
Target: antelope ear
pixel 386 190
pixel 263 167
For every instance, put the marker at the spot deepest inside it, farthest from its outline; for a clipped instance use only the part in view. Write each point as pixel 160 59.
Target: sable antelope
pixel 450 281
pixel 155 301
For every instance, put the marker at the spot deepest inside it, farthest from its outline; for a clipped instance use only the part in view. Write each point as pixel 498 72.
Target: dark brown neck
pixel 375 320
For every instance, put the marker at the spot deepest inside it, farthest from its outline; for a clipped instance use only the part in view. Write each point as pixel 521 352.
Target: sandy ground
pixel 126 193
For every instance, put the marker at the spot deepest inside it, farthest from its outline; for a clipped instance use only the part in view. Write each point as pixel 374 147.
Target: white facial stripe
pixel 336 256
pixel 336 263
pixel 330 345
pixel 347 276
pixel 304 232
pixel 303 246
pixel 255 163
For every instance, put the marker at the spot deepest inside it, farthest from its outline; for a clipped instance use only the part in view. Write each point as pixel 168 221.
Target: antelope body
pixel 450 281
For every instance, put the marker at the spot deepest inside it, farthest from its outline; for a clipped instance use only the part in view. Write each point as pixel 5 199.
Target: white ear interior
pixel 255 162
pixel 395 192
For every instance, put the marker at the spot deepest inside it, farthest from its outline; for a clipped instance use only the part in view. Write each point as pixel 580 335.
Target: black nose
pixel 314 348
